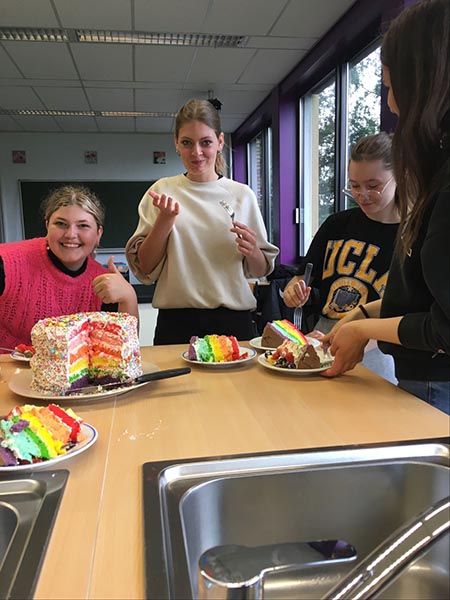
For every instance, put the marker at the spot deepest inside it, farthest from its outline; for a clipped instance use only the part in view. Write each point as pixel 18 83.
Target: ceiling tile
pixel 236 17
pixel 97 14
pixel 7 67
pixel 110 99
pixel 103 61
pixel 28 13
pixel 230 124
pixel 232 62
pixel 156 63
pixel 64 98
pixel 116 125
pixel 281 43
pixel 37 123
pixel 7 123
pixel 271 66
pixel 240 103
pixel 310 17
pixel 157 100
pixel 19 98
pixel 81 124
pixel 154 125
pixel 42 60
pixel 176 16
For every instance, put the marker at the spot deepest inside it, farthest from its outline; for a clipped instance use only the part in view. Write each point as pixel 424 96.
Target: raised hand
pixel 296 293
pixel 245 238
pixel 112 287
pixel 168 207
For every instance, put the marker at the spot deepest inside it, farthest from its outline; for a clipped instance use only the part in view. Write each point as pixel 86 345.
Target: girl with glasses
pixel 412 322
pixel 352 250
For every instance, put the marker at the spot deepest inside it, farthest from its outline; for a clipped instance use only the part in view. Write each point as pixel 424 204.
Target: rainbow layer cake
pixel 275 332
pixel 73 351
pixel 290 355
pixel 214 348
pixel 32 434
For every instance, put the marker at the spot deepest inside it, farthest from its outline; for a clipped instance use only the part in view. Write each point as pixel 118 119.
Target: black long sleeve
pixel 419 289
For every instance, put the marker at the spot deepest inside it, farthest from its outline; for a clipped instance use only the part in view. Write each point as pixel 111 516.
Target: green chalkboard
pixel 121 199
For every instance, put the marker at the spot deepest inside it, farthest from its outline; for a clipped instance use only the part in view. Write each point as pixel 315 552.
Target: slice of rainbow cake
pixel 276 332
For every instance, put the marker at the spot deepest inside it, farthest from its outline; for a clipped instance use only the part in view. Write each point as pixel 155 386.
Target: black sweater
pixel 419 289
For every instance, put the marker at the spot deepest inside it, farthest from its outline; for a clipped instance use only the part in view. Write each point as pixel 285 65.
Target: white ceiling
pixel 132 77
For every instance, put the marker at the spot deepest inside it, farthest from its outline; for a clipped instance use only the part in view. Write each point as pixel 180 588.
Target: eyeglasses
pixel 374 193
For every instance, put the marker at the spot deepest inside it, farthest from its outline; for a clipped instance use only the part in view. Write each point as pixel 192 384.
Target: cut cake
pixel 73 351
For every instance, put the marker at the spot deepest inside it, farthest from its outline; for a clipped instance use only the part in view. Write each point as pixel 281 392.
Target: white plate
pixel 20 383
pixel 90 437
pixel 256 343
pixel 265 363
pixel 223 365
pixel 19 356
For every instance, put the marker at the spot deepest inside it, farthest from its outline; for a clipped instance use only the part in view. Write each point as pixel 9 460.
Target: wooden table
pixel 96 548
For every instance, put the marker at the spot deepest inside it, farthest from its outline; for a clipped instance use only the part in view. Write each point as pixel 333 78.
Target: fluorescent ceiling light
pixel 12 34
pixel 142 113
pixel 84 113
pixel 48 113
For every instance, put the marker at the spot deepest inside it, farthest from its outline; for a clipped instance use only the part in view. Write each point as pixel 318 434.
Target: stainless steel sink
pixel 28 506
pixel 359 494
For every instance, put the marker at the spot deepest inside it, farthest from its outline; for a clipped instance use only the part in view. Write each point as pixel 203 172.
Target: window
pixel 334 116
pixel 318 159
pixel 364 94
pixel 260 175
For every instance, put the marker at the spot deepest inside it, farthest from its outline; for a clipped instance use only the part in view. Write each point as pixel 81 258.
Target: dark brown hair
pixel 416 51
pixel 206 113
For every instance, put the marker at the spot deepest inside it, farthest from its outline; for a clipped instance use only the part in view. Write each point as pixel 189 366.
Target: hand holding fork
pixel 229 209
pixel 298 310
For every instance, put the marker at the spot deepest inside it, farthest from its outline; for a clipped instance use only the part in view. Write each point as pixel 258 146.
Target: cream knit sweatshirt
pixel 202 267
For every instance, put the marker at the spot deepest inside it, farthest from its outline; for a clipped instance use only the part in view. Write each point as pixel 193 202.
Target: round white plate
pixel 19 356
pixel 256 343
pixel 90 437
pixel 20 383
pixel 223 365
pixel 265 363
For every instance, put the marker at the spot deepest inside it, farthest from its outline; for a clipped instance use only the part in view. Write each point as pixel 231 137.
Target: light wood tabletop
pixel 96 547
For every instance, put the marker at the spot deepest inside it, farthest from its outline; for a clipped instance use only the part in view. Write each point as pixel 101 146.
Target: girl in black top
pixel 352 250
pixel 412 322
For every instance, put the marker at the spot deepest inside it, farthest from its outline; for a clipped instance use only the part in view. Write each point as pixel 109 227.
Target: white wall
pixel 60 156
pixel 147 324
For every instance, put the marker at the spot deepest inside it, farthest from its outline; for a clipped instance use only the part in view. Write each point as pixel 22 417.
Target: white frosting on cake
pixel 76 350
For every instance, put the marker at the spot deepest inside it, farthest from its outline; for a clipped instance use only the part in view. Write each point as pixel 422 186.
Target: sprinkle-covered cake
pixel 214 348
pixel 32 434
pixel 291 355
pixel 276 332
pixel 73 351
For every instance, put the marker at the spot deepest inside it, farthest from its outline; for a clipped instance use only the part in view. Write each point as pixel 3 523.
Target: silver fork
pixel 229 209
pixel 298 310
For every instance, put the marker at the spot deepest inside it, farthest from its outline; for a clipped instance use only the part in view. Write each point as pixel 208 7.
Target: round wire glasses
pixel 374 193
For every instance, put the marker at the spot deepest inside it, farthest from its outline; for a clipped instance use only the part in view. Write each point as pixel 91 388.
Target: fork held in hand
pixel 229 210
pixel 298 310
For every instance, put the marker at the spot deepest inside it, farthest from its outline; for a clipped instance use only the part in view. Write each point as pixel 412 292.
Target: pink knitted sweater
pixel 35 288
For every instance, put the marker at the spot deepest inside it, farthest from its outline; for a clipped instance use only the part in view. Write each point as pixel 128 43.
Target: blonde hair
pixel 205 112
pixel 68 195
